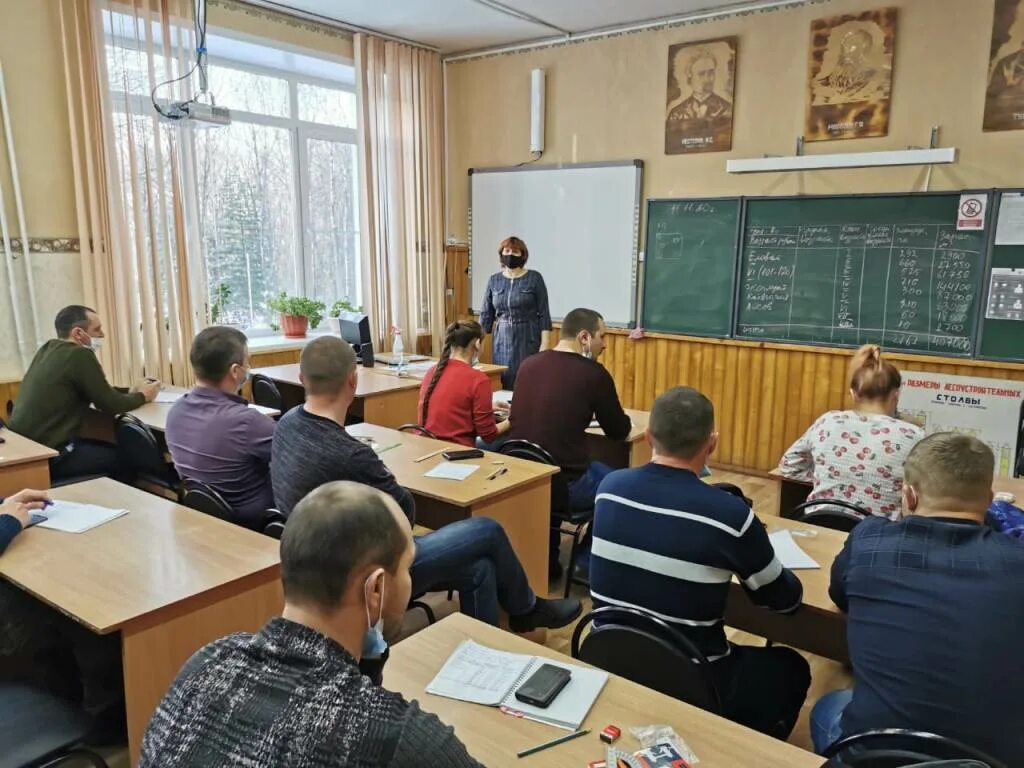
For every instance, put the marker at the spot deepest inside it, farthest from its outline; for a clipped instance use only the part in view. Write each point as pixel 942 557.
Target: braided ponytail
pixel 459 334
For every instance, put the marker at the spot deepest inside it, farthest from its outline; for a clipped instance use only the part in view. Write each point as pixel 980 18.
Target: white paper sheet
pixel 72 517
pixel 1010 226
pixel 452 470
pixel 789 552
pixel 502 396
pixel 168 397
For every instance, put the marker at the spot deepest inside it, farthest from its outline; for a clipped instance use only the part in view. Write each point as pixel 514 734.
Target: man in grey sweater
pixel 293 694
pixel 473 557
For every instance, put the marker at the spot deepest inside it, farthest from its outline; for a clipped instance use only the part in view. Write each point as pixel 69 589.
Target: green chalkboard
pixel 690 265
pixel 884 269
pixel 1002 331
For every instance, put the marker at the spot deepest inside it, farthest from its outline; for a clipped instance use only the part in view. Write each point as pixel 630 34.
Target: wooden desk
pixel 520 499
pixel 23 464
pixel 494 738
pixel 634 451
pixel 382 397
pixel 168 578
pixel 818 626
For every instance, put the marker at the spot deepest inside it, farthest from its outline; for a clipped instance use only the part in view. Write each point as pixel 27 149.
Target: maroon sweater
pixel 557 395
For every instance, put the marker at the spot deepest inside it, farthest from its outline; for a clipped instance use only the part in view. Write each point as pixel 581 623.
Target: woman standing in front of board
pixel 515 310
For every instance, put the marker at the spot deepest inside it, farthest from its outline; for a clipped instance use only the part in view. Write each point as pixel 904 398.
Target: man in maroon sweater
pixel 558 392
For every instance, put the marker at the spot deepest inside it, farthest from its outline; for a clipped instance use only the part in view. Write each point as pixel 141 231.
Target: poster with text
pixel 988 409
pixel 699 97
pixel 1004 94
pixel 850 75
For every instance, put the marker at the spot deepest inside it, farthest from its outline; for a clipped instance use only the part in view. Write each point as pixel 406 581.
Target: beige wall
pixel 606 101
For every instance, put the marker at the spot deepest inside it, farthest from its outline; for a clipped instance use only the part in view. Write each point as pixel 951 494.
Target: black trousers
pixel 86 458
pixel 763 688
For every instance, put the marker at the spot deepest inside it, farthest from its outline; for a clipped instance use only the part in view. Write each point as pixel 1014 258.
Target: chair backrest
pixel 416 429
pixel 273 524
pixel 201 497
pixel 641 647
pixel 138 449
pixel 524 449
pixel 837 514
pixel 899 748
pixel 266 393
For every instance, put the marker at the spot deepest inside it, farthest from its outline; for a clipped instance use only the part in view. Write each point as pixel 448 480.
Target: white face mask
pixel 95 343
pixel 374 643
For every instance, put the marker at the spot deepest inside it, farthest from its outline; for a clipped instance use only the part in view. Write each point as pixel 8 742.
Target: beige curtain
pixel 401 135
pixel 134 180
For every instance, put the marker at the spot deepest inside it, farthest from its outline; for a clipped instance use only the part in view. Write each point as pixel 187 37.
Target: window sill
pixel 260 343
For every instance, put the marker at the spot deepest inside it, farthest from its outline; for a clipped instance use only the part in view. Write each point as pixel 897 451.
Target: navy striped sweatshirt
pixel 669 543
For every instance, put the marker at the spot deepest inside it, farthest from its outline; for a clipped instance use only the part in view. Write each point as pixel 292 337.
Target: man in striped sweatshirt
pixel 668 543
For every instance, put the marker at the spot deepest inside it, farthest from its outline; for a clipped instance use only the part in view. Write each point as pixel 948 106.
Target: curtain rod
pixel 665 21
pixel 337 24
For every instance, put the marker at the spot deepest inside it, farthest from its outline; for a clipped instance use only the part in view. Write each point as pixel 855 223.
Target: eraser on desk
pixel 610 734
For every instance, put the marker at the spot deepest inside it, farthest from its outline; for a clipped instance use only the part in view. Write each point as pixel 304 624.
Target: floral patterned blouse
pixel 854 456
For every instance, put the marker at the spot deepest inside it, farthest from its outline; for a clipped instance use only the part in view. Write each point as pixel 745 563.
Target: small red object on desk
pixel 610 734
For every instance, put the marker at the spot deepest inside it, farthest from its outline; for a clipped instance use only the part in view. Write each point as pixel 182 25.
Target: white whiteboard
pixel 580 222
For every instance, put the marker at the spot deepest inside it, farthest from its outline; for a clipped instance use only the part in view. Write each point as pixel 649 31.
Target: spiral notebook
pixel 481 675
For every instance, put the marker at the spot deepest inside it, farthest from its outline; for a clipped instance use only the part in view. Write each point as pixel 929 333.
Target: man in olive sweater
pixel 64 379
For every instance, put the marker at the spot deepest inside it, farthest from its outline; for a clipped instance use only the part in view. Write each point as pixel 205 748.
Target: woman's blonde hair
pixel 871 377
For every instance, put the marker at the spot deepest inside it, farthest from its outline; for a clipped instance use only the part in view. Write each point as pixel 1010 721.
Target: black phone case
pixel 542 693
pixel 469 453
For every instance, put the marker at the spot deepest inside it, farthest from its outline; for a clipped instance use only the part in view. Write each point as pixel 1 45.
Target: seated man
pixel 212 433
pixel 666 542
pixel 63 380
pixel 935 606
pixel 311 447
pixel 558 393
pixel 293 694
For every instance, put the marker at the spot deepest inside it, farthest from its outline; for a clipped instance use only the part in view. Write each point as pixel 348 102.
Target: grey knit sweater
pixel 289 696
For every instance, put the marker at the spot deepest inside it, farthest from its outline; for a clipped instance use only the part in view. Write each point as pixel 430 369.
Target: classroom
pixel 476 383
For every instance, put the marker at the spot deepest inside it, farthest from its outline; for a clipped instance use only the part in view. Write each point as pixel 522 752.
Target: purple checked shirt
pixel 217 439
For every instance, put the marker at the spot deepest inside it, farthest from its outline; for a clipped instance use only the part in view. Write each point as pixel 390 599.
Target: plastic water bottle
pixel 399 351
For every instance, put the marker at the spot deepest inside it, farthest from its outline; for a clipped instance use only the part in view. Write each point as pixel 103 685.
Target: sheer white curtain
pixel 401 133
pixel 134 180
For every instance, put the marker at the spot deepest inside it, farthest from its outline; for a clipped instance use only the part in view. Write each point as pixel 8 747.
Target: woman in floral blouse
pixel 858 455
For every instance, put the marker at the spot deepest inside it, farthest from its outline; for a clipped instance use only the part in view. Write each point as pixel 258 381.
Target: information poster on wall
pixel 988 409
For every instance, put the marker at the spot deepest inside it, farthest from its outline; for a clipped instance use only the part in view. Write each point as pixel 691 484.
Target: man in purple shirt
pixel 212 433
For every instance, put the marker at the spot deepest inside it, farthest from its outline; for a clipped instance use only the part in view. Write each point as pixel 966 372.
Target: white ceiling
pixel 460 25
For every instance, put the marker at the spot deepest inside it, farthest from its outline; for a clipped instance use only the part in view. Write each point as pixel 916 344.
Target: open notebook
pixel 481 675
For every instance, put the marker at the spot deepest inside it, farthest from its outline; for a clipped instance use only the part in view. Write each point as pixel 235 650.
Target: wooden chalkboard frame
pixel 997 200
pixel 642 288
pixel 971 354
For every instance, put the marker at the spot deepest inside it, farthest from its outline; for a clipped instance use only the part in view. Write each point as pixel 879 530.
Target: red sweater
pixel 461 405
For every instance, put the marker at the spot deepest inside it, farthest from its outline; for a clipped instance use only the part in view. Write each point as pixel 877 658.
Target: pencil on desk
pixel 388 448
pixel 430 455
pixel 497 473
pixel 553 742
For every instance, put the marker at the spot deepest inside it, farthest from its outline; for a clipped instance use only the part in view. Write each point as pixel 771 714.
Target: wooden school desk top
pixel 463 493
pixel 371 381
pixel 640 420
pixel 494 738
pixel 157 555
pixel 20 450
pixel 823 547
pixel 154 415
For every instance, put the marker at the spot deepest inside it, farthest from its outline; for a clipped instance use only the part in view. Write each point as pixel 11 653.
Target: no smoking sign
pixel 971 213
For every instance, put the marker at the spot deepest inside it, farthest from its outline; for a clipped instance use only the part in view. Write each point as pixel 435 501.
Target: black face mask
pixel 512 261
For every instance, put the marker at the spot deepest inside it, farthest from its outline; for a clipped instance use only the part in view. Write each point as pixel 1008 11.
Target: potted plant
pixel 221 297
pixel 342 308
pixel 298 314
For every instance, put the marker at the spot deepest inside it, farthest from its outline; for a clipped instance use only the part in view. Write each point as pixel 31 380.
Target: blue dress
pixel 515 310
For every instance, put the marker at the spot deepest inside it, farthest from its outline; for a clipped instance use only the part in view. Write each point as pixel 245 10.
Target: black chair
pixel 266 393
pixel 566 521
pixel 40 729
pixel 416 429
pixel 201 497
pixel 900 748
pixel 839 515
pixel 641 647
pixel 273 524
pixel 140 452
pixel 415 602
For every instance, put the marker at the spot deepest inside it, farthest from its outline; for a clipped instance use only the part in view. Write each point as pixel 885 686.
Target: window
pixel 277 190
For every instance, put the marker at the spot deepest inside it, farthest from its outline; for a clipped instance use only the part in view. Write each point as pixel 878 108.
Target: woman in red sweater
pixel 455 398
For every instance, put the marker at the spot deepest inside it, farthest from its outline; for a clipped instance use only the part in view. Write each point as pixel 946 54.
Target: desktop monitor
pixel 355 329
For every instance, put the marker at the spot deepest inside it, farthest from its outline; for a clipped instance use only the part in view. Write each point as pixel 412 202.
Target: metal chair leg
pixel 572 559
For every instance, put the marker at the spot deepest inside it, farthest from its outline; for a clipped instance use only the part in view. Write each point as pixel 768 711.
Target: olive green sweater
pixel 63 380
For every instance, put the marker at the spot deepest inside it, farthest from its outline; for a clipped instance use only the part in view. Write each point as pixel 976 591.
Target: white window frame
pixel 299 130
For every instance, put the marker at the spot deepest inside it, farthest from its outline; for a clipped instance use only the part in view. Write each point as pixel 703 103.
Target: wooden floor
pixel 826 675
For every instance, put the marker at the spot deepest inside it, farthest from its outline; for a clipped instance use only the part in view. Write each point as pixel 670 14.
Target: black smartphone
pixel 468 453
pixel 543 686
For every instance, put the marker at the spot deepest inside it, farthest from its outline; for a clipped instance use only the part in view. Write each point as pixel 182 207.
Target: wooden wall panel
pixel 8 392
